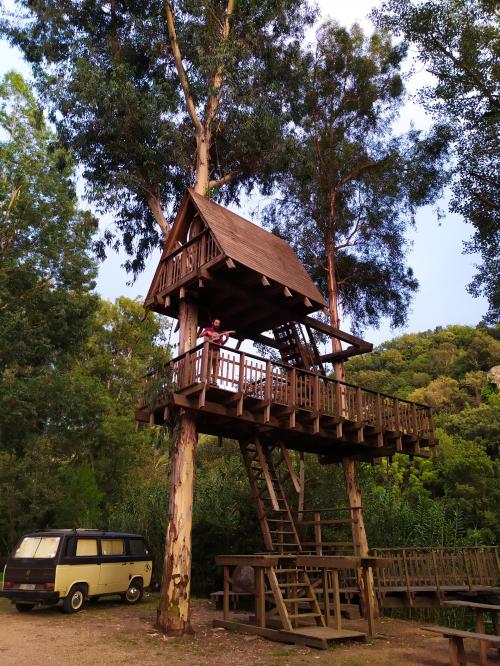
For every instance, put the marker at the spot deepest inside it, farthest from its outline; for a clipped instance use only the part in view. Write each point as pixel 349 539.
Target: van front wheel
pixel 75 600
pixel 134 593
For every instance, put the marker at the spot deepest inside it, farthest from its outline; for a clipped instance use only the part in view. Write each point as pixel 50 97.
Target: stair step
pixel 281 532
pixel 294 600
pixel 283 585
pixel 280 571
pixel 300 615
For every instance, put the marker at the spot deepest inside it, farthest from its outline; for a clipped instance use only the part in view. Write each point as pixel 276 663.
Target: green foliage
pixel 446 369
pixel 80 503
pixel 107 73
pixel 351 187
pixel 459 42
pixel 413 361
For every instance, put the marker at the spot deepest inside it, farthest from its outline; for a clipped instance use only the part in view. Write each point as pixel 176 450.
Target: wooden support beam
pixel 307 303
pixel 230 263
pixel 335 332
pixel 264 281
pixel 287 292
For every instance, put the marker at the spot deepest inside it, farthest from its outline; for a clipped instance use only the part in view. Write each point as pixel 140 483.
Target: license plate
pixel 27 586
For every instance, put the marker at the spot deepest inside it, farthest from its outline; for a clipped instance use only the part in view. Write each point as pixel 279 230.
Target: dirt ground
pixel 108 632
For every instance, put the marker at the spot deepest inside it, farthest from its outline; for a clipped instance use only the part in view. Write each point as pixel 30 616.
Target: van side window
pixel 112 547
pixel 70 547
pixel 86 548
pixel 137 547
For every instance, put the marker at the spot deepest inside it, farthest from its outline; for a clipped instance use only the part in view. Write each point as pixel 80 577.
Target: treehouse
pixel 217 265
pixel 231 269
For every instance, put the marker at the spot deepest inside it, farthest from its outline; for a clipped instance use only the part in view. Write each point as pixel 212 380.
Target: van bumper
pixel 31 596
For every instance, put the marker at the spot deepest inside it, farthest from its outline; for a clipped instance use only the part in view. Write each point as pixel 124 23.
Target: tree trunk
pixel 358 531
pixel 173 615
pixel 352 489
pixel 333 303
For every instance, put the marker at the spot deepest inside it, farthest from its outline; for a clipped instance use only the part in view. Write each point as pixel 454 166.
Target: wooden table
pixel 479 611
pixel 334 564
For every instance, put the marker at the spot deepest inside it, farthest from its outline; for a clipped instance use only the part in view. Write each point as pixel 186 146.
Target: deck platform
pixel 234 394
pixel 316 637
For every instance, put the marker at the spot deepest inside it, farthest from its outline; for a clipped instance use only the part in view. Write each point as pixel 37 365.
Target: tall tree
pixel 156 96
pixel 46 272
pixel 352 188
pixel 459 42
pixel 153 97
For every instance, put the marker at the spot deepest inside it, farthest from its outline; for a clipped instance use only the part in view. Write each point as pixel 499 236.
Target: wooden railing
pixel 295 388
pixel 439 568
pixel 194 254
pixel 328 531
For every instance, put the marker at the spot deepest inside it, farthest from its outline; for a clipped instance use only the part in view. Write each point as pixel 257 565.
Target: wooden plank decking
pixel 234 392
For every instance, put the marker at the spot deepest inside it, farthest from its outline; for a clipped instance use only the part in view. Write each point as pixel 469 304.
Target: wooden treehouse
pixel 225 267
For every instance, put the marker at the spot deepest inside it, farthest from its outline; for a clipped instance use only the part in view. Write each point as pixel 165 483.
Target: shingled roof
pixel 250 245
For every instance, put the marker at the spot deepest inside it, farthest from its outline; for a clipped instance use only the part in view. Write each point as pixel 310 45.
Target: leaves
pixel 350 188
pixel 459 42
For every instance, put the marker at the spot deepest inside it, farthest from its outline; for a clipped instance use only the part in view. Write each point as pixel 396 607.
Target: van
pixel 75 566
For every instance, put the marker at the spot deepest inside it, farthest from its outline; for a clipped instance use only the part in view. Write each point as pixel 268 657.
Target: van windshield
pixel 37 547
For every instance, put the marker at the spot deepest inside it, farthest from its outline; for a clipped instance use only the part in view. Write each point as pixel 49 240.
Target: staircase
pixel 268 468
pixel 294 349
pixel 295 601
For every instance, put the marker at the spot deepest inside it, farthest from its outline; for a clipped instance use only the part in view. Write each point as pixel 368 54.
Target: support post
pixel 173 614
pixel 366 583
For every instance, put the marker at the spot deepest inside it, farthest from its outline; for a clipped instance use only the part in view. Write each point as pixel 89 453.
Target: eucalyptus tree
pixel 459 42
pixel 352 187
pixel 159 95
pixel 153 97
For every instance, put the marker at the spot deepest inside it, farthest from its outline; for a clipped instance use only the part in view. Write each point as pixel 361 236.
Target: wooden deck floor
pixel 317 637
pixel 236 394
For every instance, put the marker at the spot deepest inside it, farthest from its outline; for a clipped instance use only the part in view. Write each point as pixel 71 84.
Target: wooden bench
pixel 456 638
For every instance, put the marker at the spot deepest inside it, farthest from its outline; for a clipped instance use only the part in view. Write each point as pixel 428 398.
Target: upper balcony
pixel 233 270
pixel 235 394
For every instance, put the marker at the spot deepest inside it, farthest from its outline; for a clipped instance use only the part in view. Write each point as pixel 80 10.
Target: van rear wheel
pixel 134 593
pixel 25 608
pixel 75 600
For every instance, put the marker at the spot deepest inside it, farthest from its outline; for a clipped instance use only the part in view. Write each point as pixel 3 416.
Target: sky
pixel 436 254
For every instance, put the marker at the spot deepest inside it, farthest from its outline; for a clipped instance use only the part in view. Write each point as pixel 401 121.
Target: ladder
pixel 268 467
pixel 294 597
pixel 294 349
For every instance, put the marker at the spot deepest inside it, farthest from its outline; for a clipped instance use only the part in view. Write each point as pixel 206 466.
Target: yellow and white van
pixel 74 566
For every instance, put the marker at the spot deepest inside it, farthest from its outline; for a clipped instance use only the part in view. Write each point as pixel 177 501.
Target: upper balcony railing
pixel 278 384
pixel 197 252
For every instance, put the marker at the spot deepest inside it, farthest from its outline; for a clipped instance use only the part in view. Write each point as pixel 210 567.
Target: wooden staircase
pixel 294 597
pixel 268 468
pixel 294 349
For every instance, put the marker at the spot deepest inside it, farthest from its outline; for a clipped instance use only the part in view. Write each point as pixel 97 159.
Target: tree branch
pixel 357 171
pixel 154 204
pixel 225 179
pixel 460 65
pixel 215 83
pixel 191 108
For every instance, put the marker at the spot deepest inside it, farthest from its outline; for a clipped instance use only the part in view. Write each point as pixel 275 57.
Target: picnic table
pixel 480 610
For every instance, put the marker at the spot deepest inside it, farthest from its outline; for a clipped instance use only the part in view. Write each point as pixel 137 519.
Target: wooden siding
pixel 256 248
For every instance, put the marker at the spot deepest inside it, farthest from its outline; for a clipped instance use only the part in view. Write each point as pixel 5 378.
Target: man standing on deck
pixel 214 335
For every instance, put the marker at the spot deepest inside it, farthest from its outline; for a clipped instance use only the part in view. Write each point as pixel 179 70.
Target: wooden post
pixel 359 534
pixel 260 596
pixel 173 614
pixel 226 593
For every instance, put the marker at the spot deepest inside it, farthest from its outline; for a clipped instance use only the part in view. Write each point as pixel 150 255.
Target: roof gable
pixel 256 248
